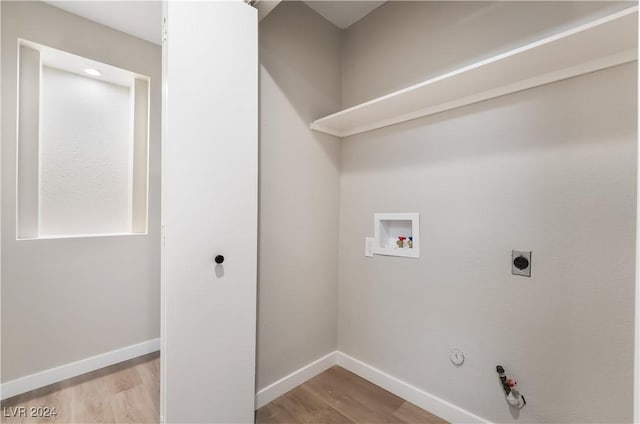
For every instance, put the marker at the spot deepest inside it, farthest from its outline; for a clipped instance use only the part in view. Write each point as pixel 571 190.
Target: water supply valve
pixel 512 396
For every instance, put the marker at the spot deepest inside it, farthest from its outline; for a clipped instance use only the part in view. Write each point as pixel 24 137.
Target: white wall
pixel 550 169
pixel 299 191
pixel 28 157
pixel 404 42
pixel 65 300
pixel 85 155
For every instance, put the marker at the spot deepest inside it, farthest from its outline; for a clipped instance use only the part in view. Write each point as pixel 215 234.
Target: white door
pixel 209 196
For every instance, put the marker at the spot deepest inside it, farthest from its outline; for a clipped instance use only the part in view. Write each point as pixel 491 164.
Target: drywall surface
pixel 87 192
pixel 404 42
pixel 299 191
pixel 28 158
pixel 68 299
pixel 552 170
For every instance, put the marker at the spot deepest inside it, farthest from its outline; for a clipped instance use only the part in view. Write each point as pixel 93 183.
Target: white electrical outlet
pixel 456 356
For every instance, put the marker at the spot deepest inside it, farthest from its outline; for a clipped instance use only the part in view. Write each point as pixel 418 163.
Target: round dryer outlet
pixel 456 356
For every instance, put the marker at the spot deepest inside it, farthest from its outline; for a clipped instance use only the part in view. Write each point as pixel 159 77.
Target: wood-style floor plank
pixel 300 406
pixel 128 392
pixel 339 396
pixel 409 413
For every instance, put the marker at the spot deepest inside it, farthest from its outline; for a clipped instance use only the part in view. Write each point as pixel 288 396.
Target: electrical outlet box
pixel 521 262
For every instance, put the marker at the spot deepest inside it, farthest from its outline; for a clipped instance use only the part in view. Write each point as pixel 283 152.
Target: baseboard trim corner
pixel 435 405
pixel 74 369
pixel 296 378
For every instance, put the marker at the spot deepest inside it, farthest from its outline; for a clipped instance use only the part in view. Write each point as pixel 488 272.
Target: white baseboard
pixel 435 405
pixel 73 369
pixel 406 391
pixel 429 402
pixel 296 378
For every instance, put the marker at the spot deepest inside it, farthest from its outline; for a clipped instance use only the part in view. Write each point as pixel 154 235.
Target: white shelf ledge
pixel 600 44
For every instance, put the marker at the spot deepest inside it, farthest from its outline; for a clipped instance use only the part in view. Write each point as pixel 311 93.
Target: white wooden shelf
pixel 599 44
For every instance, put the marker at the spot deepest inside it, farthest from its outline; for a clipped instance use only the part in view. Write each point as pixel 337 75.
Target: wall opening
pixel 397 234
pixel 83 141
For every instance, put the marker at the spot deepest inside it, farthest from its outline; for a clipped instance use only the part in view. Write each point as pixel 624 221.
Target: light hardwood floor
pixel 128 392
pixel 339 396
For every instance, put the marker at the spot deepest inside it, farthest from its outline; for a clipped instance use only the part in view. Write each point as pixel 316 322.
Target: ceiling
pixel 344 13
pixel 142 19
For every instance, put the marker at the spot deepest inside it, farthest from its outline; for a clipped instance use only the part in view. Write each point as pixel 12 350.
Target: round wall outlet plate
pixel 456 356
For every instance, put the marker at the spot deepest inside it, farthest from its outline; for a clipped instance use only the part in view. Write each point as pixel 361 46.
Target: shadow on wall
pixel 403 43
pixel 299 51
pixel 299 191
pixel 516 124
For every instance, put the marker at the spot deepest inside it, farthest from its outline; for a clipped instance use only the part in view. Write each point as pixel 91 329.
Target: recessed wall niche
pixel 397 234
pixel 83 141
